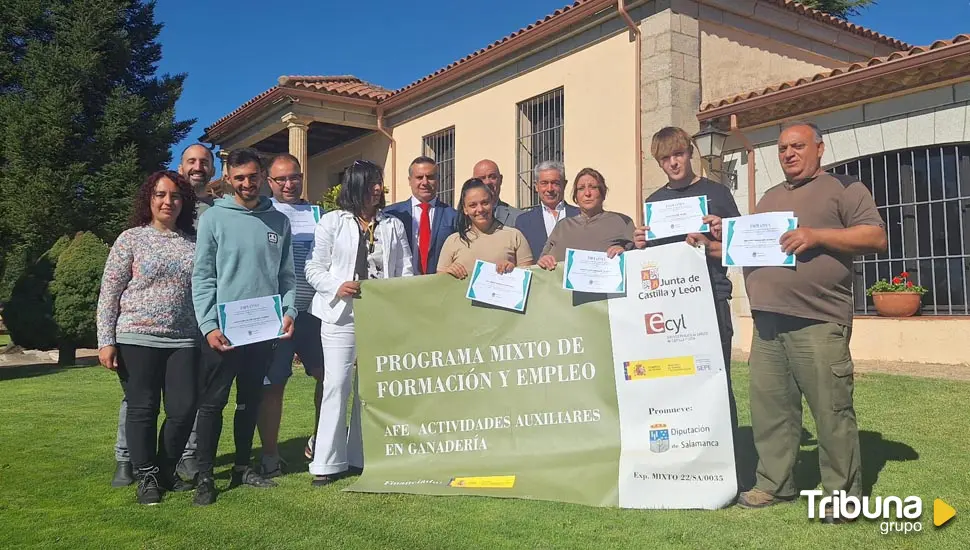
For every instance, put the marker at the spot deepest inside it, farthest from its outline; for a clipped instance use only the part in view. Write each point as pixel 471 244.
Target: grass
pixel 4 340
pixel 57 430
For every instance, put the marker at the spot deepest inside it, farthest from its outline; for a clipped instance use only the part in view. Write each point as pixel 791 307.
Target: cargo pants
pixel 791 357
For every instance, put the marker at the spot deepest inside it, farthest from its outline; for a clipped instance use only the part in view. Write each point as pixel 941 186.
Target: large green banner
pixel 569 400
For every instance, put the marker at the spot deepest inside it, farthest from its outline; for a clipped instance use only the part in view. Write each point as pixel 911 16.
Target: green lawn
pixel 57 430
pixel 4 340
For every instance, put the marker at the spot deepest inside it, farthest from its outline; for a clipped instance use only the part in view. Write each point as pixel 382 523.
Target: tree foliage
pixel 29 315
pixel 83 119
pixel 839 8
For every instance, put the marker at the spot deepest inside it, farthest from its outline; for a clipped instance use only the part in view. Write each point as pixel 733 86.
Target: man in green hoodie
pixel 243 250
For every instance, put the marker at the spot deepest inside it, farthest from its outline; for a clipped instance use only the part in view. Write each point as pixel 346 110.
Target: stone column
pixel 298 128
pixel 224 174
pixel 669 78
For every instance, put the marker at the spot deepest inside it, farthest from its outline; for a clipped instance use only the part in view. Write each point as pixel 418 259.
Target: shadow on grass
pixel 40 369
pixel 291 451
pixel 875 450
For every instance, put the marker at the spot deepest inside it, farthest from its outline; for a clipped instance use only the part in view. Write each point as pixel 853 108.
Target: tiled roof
pixel 852 68
pixel 343 86
pixel 793 6
pixel 789 5
pixel 347 86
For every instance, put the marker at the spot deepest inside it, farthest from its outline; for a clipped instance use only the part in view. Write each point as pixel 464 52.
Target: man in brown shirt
pixel 803 323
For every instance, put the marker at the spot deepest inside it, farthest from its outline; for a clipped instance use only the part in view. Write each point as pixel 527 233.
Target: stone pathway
pixel 11 356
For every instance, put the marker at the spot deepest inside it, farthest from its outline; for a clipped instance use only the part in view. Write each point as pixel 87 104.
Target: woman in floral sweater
pixel 147 331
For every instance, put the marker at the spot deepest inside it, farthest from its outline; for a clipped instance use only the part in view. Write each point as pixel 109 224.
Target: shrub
pixel 29 315
pixel 75 289
pixel 899 283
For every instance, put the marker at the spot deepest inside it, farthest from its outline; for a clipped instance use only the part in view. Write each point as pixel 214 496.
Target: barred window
pixel 441 147
pixel 923 195
pixel 539 137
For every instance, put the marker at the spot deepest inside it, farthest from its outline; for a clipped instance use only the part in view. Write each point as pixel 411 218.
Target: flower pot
pixel 896 304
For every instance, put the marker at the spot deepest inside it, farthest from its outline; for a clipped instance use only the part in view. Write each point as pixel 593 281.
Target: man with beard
pixel 427 220
pixel 197 166
pixel 537 224
pixel 243 250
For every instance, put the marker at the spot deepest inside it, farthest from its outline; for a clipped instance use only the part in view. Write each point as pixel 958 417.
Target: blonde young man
pixel 672 148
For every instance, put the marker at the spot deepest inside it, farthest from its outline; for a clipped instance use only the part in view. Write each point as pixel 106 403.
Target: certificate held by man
pixel 588 271
pixel 754 241
pixel 674 217
pixel 253 320
pixel 506 290
pixel 303 219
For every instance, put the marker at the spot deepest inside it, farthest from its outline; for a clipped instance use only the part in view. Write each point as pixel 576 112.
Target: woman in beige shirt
pixel 593 229
pixel 481 237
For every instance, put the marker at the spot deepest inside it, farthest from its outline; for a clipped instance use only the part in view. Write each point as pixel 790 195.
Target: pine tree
pixel 83 119
pixel 839 8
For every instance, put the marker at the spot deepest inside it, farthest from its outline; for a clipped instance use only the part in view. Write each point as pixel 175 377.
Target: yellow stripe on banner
pixel 659 368
pixel 483 482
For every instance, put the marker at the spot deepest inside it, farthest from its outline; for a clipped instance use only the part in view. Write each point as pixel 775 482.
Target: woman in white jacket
pixel 352 244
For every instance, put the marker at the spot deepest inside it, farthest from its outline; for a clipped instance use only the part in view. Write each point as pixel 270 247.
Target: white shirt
pixel 333 260
pixel 416 223
pixel 551 220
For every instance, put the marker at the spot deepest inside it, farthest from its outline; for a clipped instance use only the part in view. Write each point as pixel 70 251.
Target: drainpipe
pixel 381 129
pixel 620 7
pixel 752 189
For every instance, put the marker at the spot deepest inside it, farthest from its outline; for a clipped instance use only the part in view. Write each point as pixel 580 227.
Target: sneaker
pixel 149 493
pixel 124 476
pixel 249 476
pixel 173 483
pixel 187 468
pixel 205 490
pixel 271 466
pixel 308 450
pixel 756 498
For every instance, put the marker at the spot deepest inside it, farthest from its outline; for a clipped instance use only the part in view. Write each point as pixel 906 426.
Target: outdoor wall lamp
pixel 710 145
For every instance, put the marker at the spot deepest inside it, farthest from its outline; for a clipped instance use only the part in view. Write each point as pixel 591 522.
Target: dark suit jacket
pixel 442 224
pixel 533 227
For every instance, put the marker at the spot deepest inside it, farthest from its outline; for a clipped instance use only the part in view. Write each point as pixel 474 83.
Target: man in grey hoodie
pixel 243 250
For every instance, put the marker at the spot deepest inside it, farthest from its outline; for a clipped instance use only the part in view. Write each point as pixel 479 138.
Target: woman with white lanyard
pixel 352 244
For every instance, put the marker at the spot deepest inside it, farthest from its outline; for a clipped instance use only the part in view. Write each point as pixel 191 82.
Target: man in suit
pixel 428 221
pixel 537 223
pixel 487 171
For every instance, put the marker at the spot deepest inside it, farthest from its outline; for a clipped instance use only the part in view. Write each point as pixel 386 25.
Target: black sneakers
pixel 249 476
pixel 205 490
pixel 149 493
pixel 124 476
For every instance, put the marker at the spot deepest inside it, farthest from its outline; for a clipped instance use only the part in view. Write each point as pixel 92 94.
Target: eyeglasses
pixel 293 178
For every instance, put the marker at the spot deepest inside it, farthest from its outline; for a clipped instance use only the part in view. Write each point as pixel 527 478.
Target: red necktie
pixel 424 236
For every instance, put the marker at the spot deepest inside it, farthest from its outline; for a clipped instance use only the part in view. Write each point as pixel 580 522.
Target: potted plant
pixel 896 298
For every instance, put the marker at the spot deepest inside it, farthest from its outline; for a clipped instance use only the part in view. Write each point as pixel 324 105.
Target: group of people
pixel 158 327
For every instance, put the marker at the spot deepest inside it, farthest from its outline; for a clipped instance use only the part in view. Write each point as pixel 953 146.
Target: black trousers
pixel 726 329
pixel 247 365
pixel 146 374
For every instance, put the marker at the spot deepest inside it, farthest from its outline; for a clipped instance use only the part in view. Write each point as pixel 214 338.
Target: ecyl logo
pixel 906 510
pixel 657 324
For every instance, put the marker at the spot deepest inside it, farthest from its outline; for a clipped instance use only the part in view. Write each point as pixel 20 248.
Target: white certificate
pixel 753 241
pixel 588 271
pixel 507 290
pixel 675 217
pixel 253 320
pixel 303 219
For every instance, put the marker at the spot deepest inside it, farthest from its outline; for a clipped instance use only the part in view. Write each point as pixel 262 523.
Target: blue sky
pixel 233 54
